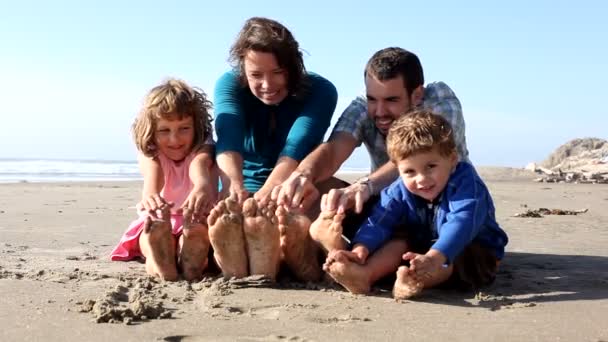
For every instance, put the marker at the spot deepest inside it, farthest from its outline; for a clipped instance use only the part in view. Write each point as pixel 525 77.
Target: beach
pixel 56 279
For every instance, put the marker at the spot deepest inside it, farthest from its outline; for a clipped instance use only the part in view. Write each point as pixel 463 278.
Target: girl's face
pixel 173 137
pixel 266 79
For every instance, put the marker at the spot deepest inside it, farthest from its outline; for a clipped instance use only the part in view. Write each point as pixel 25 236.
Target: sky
pixel 530 75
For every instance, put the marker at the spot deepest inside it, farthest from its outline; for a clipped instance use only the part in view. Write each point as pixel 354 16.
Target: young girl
pixel 173 135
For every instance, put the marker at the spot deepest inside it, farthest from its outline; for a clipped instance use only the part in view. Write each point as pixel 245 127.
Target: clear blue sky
pixel 530 75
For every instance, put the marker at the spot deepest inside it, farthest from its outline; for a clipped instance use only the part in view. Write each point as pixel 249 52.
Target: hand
pixel 152 203
pixel 357 255
pixel 238 192
pixel 199 203
pixel 425 265
pixel 262 196
pixel 343 199
pixel 297 192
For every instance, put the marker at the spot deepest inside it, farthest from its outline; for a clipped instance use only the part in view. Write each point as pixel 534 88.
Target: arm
pixel 298 189
pixel 386 215
pixel 308 129
pixel 204 186
pixel 153 183
pixel 229 127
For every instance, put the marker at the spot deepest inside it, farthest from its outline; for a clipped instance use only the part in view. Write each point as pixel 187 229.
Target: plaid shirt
pixel 438 98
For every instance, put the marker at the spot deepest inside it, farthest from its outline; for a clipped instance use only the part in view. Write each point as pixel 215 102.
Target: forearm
pixel 200 169
pixel 320 164
pixel 230 165
pixel 282 170
pixel 152 174
pixel 383 177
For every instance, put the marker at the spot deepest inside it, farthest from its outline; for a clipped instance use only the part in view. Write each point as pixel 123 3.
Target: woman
pixel 269 114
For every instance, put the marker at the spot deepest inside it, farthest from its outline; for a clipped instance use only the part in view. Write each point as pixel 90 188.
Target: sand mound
pixel 578 154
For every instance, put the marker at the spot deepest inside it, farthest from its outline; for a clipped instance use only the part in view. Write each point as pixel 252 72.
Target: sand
pixel 57 284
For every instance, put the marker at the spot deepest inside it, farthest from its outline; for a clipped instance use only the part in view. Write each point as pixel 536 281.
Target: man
pixel 394 84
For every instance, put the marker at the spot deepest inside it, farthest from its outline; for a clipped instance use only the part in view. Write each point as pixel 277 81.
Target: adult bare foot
pixel 158 246
pixel 349 274
pixel 298 250
pixel 193 250
pixel 327 230
pixel 225 224
pixel 405 285
pixel 262 236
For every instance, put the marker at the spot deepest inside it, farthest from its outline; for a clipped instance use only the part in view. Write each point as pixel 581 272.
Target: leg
pixel 157 244
pixel 359 279
pixel 326 230
pixel 193 249
pixel 262 236
pixel 225 224
pixel 297 248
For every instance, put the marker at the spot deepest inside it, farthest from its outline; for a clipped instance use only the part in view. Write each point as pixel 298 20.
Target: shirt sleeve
pixel 386 215
pixel 311 124
pixel 441 100
pixel 352 119
pixel 229 114
pixel 468 208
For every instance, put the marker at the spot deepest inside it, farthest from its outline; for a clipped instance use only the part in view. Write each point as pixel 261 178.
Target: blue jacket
pixel 464 213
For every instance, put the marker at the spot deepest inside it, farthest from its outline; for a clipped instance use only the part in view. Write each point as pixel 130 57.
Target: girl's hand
pixel 198 204
pixel 152 203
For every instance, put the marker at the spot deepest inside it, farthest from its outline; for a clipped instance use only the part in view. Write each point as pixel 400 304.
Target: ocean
pixel 45 170
pixel 52 170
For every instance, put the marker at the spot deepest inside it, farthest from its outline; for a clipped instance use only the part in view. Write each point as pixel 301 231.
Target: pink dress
pixel 177 188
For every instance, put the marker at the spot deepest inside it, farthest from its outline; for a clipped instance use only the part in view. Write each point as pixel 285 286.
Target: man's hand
pixel 355 195
pixel 297 192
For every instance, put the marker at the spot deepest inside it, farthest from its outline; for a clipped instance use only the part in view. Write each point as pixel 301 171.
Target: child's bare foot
pixel 348 274
pixel 405 285
pixel 194 247
pixel 158 246
pixel 298 250
pixel 262 235
pixel 225 224
pixel 327 230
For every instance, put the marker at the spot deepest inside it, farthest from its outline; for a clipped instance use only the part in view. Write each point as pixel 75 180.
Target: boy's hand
pixel 357 255
pixel 425 265
pixel 198 204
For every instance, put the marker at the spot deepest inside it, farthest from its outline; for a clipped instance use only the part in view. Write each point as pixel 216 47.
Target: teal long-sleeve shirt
pixel 242 124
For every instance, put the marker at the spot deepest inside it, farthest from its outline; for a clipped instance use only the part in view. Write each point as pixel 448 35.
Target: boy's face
pixel 426 174
pixel 174 137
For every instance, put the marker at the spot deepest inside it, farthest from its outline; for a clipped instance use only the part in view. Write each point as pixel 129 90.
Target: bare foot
pixel 158 246
pixel 327 230
pixel 225 224
pixel 194 247
pixel 262 235
pixel 299 251
pixel 349 274
pixel 405 285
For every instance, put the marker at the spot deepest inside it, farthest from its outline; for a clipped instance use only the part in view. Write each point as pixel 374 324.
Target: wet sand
pixel 57 283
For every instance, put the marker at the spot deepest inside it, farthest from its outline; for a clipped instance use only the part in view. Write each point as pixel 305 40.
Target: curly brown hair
pixel 267 35
pixel 172 99
pixel 419 131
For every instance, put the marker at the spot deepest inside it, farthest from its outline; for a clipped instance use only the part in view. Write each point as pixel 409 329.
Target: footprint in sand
pixel 225 224
pixel 262 235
